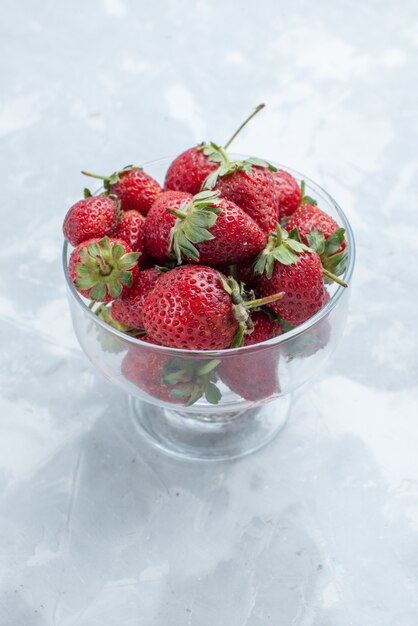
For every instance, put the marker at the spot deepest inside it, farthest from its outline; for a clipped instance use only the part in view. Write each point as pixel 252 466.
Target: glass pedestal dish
pixel 256 383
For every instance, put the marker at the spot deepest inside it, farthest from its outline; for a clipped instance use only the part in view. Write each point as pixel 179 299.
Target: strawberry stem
pixel 257 109
pixel 105 269
pixel 251 304
pixel 333 277
pixel 176 213
pixel 95 175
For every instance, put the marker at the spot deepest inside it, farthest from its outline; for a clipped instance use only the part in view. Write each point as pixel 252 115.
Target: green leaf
pixel 181 392
pixel 105 247
pixel 84 271
pixel 208 366
pixel 270 266
pixel 195 395
pixel 316 241
pixel 260 163
pixel 212 393
pixel 125 278
pixel 206 195
pixel 83 254
pixel 129 260
pixel 98 292
pixel 308 200
pixel 115 289
pixel 337 263
pixel 238 337
pixel 297 246
pixel 294 234
pixel 184 247
pixel 118 251
pixel 334 242
pixel 93 249
pixel 175 377
pixel 284 255
pixel 85 282
pixel 211 180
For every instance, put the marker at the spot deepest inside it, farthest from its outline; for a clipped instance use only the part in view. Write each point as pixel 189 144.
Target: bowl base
pixel 228 436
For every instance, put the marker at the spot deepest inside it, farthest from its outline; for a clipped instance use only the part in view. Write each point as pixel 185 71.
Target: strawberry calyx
pixel 230 167
pixel 215 153
pixel 283 247
pixel 113 178
pixel 242 302
pixel 191 379
pixel 192 225
pixel 104 268
pixel 334 260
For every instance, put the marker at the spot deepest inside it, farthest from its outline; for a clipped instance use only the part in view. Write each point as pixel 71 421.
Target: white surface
pixel 321 527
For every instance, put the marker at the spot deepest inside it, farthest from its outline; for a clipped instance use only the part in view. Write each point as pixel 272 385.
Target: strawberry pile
pixel 227 254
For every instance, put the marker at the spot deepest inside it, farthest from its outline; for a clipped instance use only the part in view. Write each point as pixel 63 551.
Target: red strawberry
pixel 322 234
pixel 251 186
pixel 309 216
pixel 130 228
pixel 202 228
pixel 288 191
pixel 178 381
pixel 253 375
pixel 190 169
pixel 303 285
pixel 145 369
pixel 289 265
pixel 94 216
pixel 103 269
pixel 135 189
pixel 129 309
pixel 197 308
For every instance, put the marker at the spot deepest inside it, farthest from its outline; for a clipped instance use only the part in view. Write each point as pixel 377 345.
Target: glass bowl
pixel 256 383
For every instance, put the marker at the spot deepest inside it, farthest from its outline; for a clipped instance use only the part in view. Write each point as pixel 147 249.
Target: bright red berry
pixel 135 189
pixel 253 375
pixel 174 380
pixel 189 170
pixel 288 191
pixel 94 216
pixel 130 228
pixel 145 369
pixel 195 307
pixel 203 228
pixel 252 189
pixel 189 308
pixel 103 269
pixel 309 216
pixel 303 285
pixel 129 309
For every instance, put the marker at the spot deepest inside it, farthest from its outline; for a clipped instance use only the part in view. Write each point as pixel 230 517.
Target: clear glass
pixel 257 383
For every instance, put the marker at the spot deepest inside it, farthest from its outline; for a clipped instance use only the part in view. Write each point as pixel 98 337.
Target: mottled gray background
pixel 321 527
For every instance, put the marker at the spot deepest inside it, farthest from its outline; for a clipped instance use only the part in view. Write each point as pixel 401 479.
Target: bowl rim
pixel 275 341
